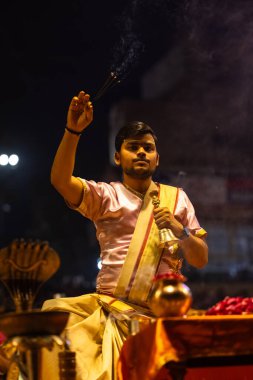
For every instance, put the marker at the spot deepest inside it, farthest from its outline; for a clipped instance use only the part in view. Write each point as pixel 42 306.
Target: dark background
pixel 52 49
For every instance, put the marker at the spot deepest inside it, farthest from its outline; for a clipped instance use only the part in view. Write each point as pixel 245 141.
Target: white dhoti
pixel 94 335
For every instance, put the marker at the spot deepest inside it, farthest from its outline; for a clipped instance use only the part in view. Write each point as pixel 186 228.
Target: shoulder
pixel 169 190
pixel 101 188
pixel 179 190
pixel 178 193
pixel 98 198
pixel 168 187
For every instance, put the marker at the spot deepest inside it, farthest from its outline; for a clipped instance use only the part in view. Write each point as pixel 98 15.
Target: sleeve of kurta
pixel 186 212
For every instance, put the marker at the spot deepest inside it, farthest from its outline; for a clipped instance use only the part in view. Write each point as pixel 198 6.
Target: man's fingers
pixel 89 105
pixel 162 211
pixel 81 94
pixel 75 100
pixel 83 97
pixel 177 218
pixel 74 103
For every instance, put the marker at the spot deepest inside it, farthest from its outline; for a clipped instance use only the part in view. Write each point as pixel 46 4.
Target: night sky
pixel 50 51
pixel 53 49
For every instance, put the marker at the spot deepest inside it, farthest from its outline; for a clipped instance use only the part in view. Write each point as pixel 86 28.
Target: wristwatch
pixel 186 233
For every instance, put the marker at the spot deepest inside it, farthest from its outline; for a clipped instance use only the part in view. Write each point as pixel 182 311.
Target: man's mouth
pixel 139 160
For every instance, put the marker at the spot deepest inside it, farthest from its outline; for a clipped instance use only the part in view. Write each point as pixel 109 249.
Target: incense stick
pixel 110 82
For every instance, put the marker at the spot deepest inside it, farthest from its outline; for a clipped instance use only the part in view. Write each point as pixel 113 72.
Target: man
pixel 127 225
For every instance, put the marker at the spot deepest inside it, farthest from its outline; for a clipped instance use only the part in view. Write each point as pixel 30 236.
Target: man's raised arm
pixel 80 115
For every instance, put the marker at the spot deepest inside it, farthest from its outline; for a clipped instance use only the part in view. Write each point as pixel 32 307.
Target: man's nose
pixel 141 151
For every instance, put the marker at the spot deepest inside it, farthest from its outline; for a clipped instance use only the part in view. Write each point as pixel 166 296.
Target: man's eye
pixel 149 148
pixel 133 147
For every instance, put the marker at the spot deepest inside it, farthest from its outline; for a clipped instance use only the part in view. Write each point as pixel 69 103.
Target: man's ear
pixel 117 158
pixel 157 160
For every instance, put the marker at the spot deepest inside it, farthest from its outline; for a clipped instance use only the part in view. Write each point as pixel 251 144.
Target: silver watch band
pixel 186 233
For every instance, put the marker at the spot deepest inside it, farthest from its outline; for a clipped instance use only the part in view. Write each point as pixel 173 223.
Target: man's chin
pixel 140 174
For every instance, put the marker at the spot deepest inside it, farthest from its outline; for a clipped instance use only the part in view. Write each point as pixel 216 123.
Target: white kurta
pixel 114 210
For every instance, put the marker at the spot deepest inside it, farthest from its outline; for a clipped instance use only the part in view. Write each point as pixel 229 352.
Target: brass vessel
pixel 170 297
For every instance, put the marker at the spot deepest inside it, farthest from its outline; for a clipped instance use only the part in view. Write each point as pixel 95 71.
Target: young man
pixel 127 225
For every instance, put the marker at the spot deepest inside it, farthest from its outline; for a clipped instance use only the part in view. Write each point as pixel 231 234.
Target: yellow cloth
pixel 144 254
pixel 95 335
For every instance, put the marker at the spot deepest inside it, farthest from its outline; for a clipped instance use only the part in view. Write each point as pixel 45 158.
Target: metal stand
pixel 24 267
pixel 28 333
pixel 29 353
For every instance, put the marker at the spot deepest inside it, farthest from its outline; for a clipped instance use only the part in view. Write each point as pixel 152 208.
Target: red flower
pixel 170 276
pixel 232 306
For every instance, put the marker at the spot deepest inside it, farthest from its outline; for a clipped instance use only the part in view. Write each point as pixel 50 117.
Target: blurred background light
pixel 4 159
pixel 6 207
pixel 13 159
pixel 99 264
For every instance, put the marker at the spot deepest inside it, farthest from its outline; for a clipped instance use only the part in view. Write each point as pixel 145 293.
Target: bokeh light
pixel 99 264
pixel 13 159
pixel 4 159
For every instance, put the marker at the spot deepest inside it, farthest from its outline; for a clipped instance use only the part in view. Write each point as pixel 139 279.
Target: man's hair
pixel 132 129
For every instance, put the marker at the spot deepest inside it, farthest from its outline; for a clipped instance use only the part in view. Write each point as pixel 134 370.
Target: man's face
pixel 138 156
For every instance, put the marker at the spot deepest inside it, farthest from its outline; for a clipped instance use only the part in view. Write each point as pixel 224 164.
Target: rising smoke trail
pixel 137 32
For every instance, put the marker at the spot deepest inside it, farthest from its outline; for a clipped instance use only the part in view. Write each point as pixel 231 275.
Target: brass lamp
pixel 24 267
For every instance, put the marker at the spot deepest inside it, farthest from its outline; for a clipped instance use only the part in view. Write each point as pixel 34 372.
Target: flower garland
pixel 170 276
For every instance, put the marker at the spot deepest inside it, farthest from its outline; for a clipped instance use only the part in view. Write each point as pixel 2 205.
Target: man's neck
pixel 140 185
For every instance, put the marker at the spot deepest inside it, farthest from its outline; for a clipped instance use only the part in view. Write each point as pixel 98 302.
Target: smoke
pixel 142 26
pixel 139 30
pixel 218 39
pixel 219 32
pixel 128 55
pixel 130 46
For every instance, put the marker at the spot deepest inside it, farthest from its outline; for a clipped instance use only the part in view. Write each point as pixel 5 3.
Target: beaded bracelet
pixel 73 132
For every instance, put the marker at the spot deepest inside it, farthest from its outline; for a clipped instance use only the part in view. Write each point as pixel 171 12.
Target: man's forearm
pixel 195 251
pixel 63 166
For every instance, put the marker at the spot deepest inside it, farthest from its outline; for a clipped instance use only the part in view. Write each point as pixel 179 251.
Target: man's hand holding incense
pixel 80 112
